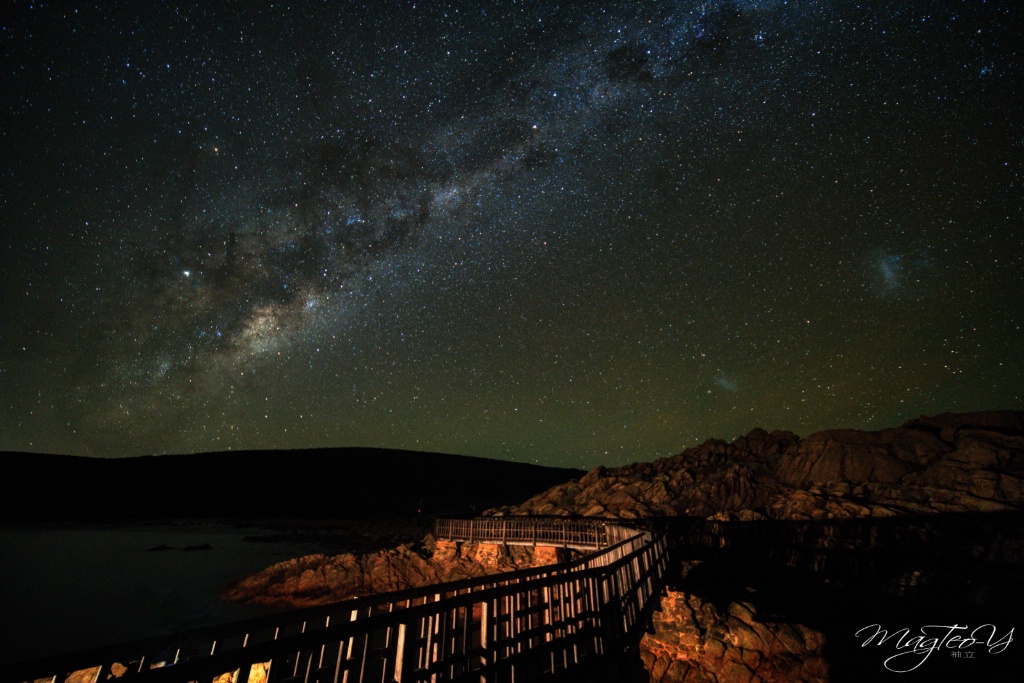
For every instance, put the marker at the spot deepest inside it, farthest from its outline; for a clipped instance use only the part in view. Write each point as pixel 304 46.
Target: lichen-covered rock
pixel 693 641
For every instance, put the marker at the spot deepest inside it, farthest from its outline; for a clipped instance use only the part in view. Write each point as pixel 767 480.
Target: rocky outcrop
pixel 700 481
pixel 695 643
pixel 322 579
pixel 970 462
pixel 966 463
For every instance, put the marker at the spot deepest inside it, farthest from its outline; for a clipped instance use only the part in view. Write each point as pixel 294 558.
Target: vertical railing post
pixel 486 643
pixel 347 648
pixel 400 666
pixel 548 621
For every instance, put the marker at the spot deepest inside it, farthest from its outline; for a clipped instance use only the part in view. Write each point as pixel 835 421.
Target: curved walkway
pixel 544 622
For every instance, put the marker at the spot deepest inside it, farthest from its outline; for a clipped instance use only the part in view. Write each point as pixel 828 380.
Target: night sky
pixel 573 233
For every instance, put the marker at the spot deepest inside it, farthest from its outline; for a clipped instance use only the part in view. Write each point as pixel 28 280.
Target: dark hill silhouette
pixel 338 483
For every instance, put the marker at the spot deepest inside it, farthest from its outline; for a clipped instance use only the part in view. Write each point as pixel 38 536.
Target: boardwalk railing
pixel 558 532
pixel 511 627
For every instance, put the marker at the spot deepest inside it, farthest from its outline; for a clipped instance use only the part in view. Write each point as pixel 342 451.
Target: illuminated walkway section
pixel 570 620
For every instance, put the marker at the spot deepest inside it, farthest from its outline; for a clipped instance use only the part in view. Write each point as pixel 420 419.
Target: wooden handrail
pixel 551 531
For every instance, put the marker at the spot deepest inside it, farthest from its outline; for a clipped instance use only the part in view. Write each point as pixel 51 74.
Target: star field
pixel 573 234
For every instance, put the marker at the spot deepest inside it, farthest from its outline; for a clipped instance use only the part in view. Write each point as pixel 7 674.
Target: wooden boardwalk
pixel 519 626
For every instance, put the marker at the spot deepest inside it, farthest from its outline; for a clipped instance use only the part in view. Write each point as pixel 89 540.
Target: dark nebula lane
pixel 572 233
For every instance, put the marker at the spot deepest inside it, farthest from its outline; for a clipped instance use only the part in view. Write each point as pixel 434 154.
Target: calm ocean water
pixel 66 589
